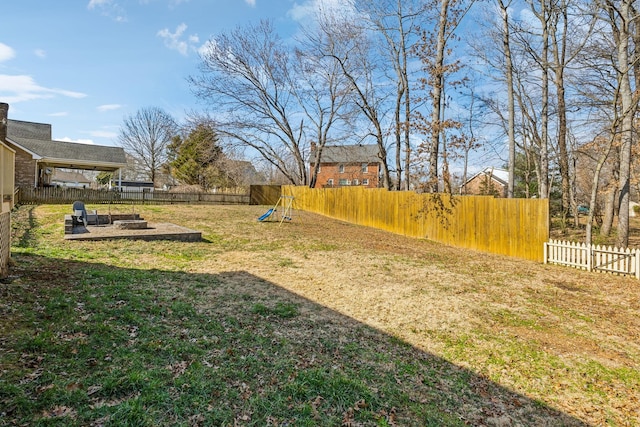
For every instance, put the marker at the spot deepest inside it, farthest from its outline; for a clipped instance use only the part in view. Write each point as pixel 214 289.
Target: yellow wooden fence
pixel 513 227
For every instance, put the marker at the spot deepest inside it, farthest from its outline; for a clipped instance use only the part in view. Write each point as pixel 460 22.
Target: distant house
pixel 489 182
pixel 37 155
pixel 7 174
pixel 347 165
pixel 72 179
pixel 144 186
pixel 243 172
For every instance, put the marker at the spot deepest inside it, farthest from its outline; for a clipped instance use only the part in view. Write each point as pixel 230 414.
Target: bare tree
pixel 145 136
pixel 246 75
pixel 535 41
pixel 323 94
pixel 566 43
pixel 623 19
pixel 434 50
pixel 607 86
pixel 508 65
pixel 397 22
pixel 349 47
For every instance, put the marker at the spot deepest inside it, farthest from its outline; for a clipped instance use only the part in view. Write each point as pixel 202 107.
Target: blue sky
pixel 84 65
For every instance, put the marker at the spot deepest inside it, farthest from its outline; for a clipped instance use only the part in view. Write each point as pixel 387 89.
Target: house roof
pixel 348 154
pixel 72 154
pixel 22 129
pixel 35 139
pixel 500 175
pixel 69 176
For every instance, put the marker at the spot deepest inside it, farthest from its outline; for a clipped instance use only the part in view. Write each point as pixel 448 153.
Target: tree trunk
pixel 544 143
pixel 510 97
pixel 436 102
pixel 407 121
pixel 626 131
pixel 398 135
pixel 560 62
pixel 609 211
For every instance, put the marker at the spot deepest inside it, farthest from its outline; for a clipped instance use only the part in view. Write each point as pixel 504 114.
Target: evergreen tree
pixel 525 179
pixel 103 178
pixel 193 159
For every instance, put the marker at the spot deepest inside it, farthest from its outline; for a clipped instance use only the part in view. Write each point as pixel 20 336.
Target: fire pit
pixel 130 224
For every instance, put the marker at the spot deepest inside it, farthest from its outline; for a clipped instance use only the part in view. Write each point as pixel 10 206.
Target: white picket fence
pixel 593 258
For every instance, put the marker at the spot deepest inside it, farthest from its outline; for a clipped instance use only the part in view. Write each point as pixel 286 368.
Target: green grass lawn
pixel 131 333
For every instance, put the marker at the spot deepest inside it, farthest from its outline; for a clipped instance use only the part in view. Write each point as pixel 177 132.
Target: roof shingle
pixel 72 151
pixel 348 154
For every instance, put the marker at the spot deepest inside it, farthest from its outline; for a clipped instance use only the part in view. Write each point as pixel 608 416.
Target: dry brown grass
pixel 564 337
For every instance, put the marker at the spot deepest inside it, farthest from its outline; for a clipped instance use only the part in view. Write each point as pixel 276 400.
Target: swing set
pixel 286 205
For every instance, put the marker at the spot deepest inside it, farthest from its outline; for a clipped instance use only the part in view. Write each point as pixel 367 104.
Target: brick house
pixel 347 165
pixel 7 173
pixel 489 182
pixel 37 155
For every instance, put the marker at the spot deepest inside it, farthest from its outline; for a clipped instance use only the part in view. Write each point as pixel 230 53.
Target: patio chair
pixel 81 216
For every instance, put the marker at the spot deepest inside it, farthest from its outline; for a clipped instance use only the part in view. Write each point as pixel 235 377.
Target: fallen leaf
pixel 42 389
pixel 74 386
pixel 179 368
pixel 93 389
pixel 59 412
pixel 359 405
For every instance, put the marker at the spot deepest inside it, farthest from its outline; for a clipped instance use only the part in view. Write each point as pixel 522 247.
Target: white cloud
pixel 174 41
pixel 208 47
pixel 309 9
pixel 80 141
pixel 20 88
pixel 109 8
pixel 108 107
pixel 103 134
pixel 40 53
pixel 98 3
pixel 251 3
pixel 6 52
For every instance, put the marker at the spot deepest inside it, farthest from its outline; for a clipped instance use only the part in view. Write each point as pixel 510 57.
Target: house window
pixel 341 168
pixel 365 167
pixel 330 182
pixel 343 182
pixel 355 182
pixel 365 182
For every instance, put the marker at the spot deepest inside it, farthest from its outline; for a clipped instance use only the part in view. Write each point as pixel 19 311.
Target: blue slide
pixel 266 215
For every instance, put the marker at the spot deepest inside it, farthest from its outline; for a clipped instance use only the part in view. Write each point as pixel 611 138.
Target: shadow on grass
pixel 27 236
pixel 92 344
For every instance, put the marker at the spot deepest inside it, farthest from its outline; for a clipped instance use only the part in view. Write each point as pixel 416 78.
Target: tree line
pixel 550 84
pixel 189 156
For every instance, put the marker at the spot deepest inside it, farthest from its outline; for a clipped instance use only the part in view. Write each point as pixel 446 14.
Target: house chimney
pixel 4 116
